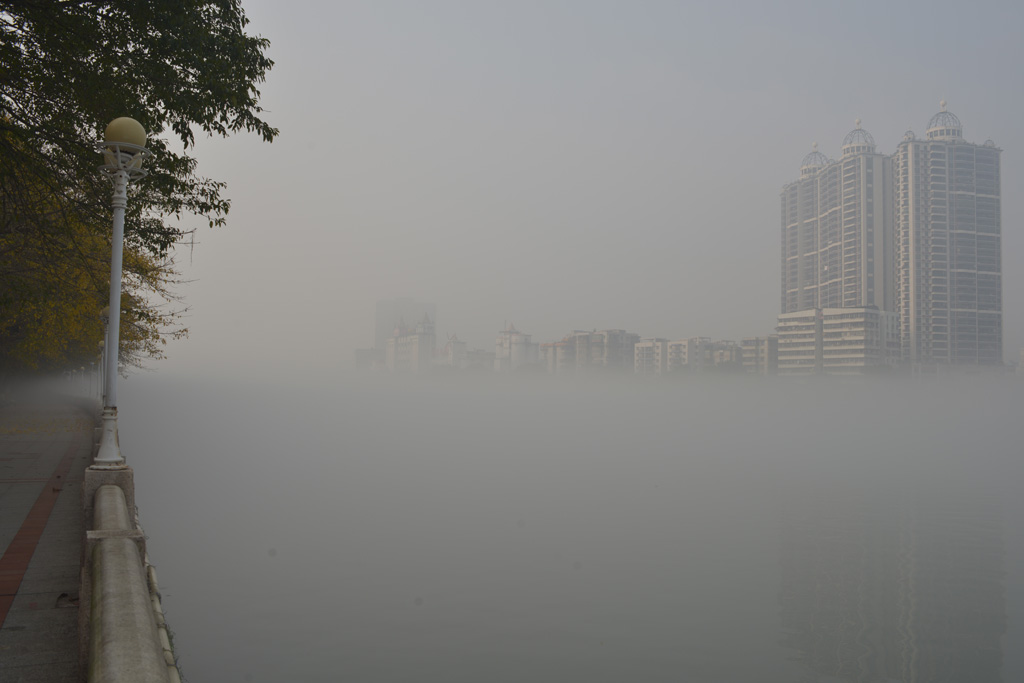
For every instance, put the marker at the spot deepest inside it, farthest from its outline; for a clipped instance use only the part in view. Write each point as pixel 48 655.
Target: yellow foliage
pixel 54 273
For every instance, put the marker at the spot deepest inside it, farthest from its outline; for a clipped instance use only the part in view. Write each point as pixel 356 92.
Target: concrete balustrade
pixel 161 626
pixel 110 512
pixel 124 643
pixel 128 639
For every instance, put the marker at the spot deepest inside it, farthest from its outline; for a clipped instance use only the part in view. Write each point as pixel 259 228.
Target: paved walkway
pixel 44 450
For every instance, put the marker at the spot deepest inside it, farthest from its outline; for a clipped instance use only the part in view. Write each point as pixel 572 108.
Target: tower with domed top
pixel 836 223
pixel 948 244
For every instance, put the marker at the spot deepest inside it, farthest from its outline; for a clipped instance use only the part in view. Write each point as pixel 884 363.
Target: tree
pixel 55 284
pixel 67 67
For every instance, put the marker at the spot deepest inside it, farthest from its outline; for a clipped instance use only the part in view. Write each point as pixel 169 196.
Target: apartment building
pixel 514 349
pixel 918 233
pixel 761 355
pixel 836 227
pixel 837 341
pixel 586 351
pixel 411 349
pixel 948 246
pixel 650 356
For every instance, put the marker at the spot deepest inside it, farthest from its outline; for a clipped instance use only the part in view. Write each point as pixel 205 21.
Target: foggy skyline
pixel 575 165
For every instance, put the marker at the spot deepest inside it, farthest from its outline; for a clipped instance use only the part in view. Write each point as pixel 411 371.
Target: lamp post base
pixel 109 454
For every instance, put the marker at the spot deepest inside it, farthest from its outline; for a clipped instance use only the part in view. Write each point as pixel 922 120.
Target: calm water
pixel 471 530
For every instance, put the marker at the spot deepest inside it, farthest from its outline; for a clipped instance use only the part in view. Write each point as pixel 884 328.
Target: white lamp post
pixel 102 369
pixel 124 149
pixel 105 345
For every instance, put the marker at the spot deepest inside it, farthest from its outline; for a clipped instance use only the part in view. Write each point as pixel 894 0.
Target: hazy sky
pixel 563 164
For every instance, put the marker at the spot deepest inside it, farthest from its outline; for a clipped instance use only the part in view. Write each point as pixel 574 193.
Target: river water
pixel 493 529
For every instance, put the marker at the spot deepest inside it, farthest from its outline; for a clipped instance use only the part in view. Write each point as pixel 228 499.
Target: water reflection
pixel 894 586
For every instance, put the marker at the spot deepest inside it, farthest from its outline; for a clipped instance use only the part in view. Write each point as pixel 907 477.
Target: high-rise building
pixel 836 225
pixel 726 355
pixel 837 341
pixel 454 353
pixel 761 355
pixel 605 349
pixel 559 357
pixel 393 312
pixel 918 233
pixel 690 355
pixel 948 246
pixel 650 356
pixel 583 351
pixel 513 349
pixel 411 350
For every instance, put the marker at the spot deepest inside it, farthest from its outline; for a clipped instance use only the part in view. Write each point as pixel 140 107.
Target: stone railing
pixel 122 632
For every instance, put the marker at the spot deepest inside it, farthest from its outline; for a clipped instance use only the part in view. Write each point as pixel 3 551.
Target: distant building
pixel 836 230
pixel 454 353
pixel 948 246
pixel 726 355
pixel 689 355
pixel 605 349
pixel 650 357
pixel 761 355
pixel 559 358
pixel 597 350
pixel 393 312
pixel 411 350
pixel 837 341
pixel 697 354
pixel 513 349
pixel 918 233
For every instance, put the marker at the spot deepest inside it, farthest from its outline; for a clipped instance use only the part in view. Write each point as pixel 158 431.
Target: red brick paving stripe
pixel 19 553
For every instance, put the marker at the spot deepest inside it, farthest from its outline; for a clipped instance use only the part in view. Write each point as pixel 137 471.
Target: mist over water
pixel 497 529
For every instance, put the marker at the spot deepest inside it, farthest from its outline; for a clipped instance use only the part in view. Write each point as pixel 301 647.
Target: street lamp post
pixel 124 149
pixel 102 369
pixel 105 346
